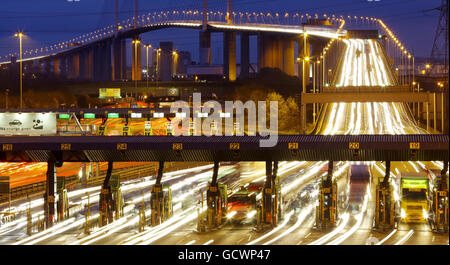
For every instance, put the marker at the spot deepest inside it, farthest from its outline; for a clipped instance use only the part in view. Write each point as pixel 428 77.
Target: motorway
pixel 363 64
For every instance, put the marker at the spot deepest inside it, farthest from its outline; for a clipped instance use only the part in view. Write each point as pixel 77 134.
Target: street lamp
pixel 175 62
pixel 146 47
pixel 20 35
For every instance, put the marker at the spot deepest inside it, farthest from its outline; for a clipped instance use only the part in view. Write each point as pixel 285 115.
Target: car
pixel 15 123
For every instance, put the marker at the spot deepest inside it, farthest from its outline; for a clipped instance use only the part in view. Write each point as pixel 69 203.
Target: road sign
pixel 27 123
pixel 113 115
pixel 109 93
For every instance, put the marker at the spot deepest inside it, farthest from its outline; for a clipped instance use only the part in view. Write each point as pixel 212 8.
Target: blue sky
pixel 50 21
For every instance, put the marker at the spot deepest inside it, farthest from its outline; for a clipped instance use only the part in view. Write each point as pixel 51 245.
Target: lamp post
pixel 158 52
pixel 175 62
pixel 146 47
pixel 20 36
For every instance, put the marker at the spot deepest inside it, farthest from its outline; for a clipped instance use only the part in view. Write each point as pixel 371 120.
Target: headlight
pixel 424 214
pixel 402 213
pixel 251 214
pixel 231 214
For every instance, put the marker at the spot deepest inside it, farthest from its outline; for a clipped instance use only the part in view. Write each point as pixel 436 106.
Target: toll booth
pixel 191 128
pixel 161 203
pixel 272 202
pixel 236 128
pixel 214 129
pixel 384 207
pixel 326 211
pixel 118 201
pixel 169 128
pixel 102 130
pixel 216 198
pixel 106 203
pixel 126 130
pixel 440 209
pixel 62 205
pixel 439 204
pixel 106 206
pixel 148 128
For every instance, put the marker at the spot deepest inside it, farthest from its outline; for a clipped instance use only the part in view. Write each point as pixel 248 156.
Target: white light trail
pixel 405 238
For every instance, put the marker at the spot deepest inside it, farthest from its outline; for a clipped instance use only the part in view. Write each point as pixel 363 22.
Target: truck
pixel 359 181
pixel 242 205
pixel 414 188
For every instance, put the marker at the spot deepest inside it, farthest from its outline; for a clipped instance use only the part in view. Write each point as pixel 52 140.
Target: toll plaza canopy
pixel 224 148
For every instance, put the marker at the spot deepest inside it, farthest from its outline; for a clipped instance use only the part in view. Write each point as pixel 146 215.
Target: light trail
pixel 387 237
pixel 343 222
pixel 190 242
pixel 209 242
pixel 283 224
pixel 300 218
pixel 405 238
pixel 359 217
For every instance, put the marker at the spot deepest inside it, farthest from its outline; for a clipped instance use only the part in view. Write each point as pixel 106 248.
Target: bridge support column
pixel 205 48
pixel 276 52
pixel 47 68
pixel 245 55
pixel 76 66
pixel 107 73
pixel 384 208
pixel 63 67
pixel 106 200
pixel 229 55
pixel 70 67
pixel 119 59
pixel 56 69
pixel 326 212
pixel 82 65
pixel 288 56
pixel 49 195
pixel 136 69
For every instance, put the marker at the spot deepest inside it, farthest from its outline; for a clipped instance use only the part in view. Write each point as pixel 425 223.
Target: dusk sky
pixel 47 22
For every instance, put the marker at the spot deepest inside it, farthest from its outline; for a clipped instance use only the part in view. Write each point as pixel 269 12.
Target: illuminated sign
pixel 27 123
pixel 109 93
pixel 113 115
pixel 64 116
pixel 89 115
pixel 136 115
pixel 414 183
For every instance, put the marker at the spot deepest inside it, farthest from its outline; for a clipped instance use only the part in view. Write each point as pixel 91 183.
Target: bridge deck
pixel 224 148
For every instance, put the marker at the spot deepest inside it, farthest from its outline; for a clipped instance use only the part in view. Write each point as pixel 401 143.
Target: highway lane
pixel 78 197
